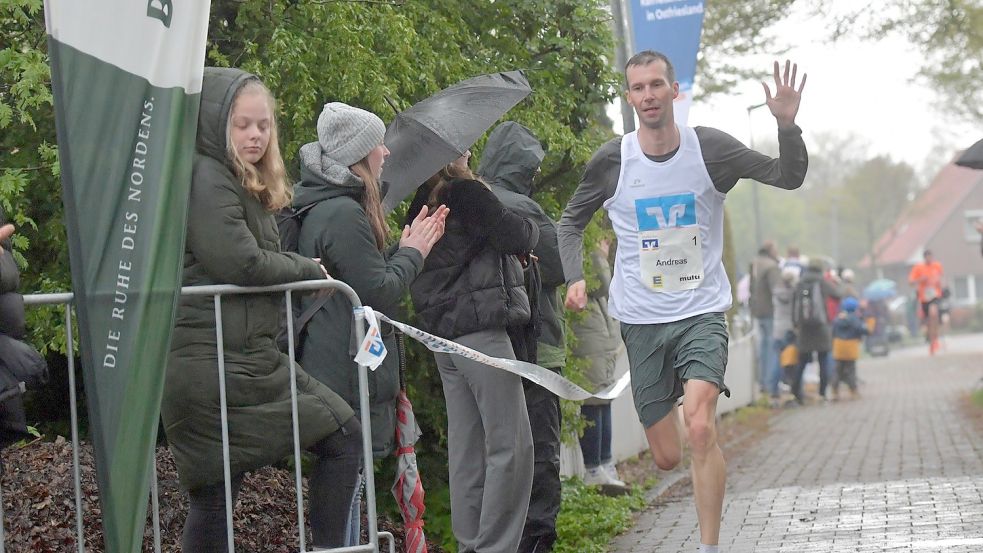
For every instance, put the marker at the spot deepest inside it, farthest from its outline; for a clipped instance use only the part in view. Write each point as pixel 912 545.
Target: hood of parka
pixel 511 158
pixel 218 89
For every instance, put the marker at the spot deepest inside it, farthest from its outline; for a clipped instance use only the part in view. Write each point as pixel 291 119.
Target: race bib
pixel 670 250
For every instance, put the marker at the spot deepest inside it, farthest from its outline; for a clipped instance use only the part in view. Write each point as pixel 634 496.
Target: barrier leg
pixel 225 423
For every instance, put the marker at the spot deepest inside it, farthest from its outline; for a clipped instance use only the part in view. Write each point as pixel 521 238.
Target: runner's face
pixel 251 120
pixel 376 159
pixel 651 94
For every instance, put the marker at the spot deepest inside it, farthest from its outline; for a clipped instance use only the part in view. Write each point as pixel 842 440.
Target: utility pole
pixel 754 185
pixel 621 45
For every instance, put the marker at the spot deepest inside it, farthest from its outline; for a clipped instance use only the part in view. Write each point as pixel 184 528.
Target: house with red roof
pixel 941 219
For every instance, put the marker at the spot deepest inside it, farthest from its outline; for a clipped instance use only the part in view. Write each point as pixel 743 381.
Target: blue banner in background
pixel 672 27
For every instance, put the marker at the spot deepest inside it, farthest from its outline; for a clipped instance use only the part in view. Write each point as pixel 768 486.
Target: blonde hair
pixel 438 182
pixel 371 201
pixel 266 180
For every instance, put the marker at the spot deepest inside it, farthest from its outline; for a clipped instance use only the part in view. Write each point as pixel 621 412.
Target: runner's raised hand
pixel 784 105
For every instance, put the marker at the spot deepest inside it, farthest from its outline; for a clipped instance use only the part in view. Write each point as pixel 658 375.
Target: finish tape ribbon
pixel 533 373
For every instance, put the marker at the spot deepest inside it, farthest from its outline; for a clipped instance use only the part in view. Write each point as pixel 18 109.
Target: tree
pixel 949 32
pixel 732 30
pixel 870 200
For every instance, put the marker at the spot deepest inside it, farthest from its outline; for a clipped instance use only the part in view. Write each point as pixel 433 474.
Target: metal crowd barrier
pixel 217 291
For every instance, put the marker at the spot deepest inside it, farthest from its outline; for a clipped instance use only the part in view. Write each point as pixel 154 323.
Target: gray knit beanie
pixel 347 134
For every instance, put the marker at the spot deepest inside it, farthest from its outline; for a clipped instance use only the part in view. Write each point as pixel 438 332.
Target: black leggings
pixel 332 487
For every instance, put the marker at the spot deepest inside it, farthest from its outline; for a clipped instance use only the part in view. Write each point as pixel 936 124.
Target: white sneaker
pixel 597 476
pixel 612 471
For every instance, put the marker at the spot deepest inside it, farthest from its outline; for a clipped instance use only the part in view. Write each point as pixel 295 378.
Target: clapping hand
pixel 784 105
pixel 425 230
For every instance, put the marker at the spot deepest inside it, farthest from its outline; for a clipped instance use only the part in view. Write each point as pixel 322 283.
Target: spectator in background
pixel 783 333
pixel 848 330
pixel 812 327
pixel 793 260
pixel 848 285
pixel 765 275
pixel 599 342
pixel 509 164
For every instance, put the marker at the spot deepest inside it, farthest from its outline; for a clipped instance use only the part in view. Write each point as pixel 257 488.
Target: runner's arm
pixel 598 183
pixel 727 160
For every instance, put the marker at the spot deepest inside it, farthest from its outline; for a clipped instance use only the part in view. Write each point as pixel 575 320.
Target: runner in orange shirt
pixel 927 277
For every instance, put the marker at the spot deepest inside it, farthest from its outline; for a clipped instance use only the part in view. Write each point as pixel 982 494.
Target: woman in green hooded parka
pixel 238 183
pixel 346 229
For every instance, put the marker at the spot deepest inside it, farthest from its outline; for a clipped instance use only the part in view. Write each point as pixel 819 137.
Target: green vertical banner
pixel 126 77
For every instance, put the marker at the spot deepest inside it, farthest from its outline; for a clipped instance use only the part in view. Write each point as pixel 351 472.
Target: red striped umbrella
pixel 408 488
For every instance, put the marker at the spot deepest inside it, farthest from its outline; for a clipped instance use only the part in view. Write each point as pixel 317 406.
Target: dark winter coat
pixel 337 231
pixel 233 239
pixel 598 335
pixel 11 303
pixel 849 326
pixel 765 275
pixel 472 279
pixel 509 163
pixel 13 423
pixel 815 335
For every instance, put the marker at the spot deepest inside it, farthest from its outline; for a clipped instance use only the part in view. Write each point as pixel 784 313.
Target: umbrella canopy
pixel 438 130
pixel 408 488
pixel 972 157
pixel 880 289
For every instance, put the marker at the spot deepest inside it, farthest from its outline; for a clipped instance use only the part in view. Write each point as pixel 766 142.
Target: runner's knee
pixel 701 434
pixel 667 460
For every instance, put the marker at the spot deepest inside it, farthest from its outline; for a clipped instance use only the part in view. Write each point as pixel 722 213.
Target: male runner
pixel 664 188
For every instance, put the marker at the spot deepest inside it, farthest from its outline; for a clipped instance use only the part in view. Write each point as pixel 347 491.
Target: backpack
pixel 289 221
pixel 809 308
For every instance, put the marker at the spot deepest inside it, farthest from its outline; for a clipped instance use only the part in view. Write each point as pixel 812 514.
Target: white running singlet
pixel 669 220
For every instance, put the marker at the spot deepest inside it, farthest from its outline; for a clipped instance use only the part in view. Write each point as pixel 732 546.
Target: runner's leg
pixel 665 441
pixel 709 468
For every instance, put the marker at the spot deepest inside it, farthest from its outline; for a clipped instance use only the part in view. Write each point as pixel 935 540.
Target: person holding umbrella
pixel 347 231
pixel 471 291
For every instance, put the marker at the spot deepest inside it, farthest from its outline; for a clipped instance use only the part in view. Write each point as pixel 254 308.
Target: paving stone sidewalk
pixel 897 470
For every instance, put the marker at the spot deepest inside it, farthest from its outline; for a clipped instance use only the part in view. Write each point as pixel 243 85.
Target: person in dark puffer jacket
pixel 471 290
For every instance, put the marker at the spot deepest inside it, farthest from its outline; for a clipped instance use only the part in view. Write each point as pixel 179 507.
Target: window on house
pixel 960 291
pixel 969 224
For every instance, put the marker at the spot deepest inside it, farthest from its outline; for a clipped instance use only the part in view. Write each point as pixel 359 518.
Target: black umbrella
pixel 438 130
pixel 972 157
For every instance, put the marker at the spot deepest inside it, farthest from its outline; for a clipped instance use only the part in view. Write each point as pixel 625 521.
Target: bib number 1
pixel 671 259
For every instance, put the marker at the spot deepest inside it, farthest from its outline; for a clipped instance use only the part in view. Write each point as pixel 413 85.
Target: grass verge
pixel 588 521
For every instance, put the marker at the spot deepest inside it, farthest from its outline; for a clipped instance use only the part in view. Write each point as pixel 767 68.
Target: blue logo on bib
pixel 666 212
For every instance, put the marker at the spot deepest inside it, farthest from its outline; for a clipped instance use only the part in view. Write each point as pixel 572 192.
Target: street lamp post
pixel 754 185
pixel 622 44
